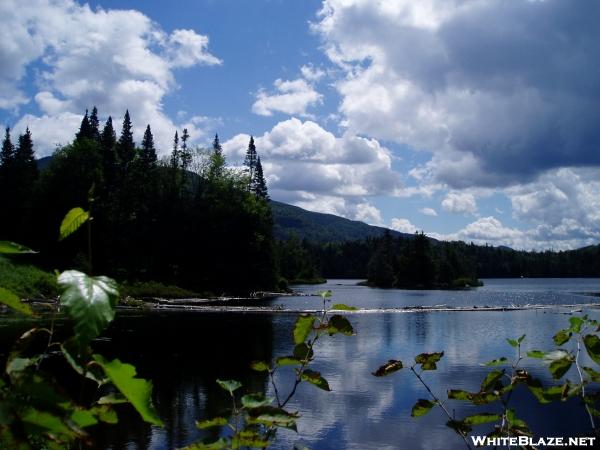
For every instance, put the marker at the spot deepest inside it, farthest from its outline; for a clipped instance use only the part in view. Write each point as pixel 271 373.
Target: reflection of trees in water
pixel 183 354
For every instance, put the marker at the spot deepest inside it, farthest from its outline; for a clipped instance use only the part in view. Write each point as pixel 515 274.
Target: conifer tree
pixel 217 161
pixel 7 155
pixel 175 154
pixel 250 162
pixel 186 154
pixel 126 146
pixel 85 131
pixel 108 142
pixel 259 184
pixel 94 124
pixel 148 152
pixel 25 159
pixel 217 149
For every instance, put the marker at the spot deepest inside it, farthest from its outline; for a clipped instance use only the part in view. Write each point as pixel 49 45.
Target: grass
pixel 27 281
pixel 143 289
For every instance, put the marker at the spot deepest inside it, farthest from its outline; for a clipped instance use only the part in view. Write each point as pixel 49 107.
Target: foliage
pixel 27 281
pixel 254 419
pixel 506 376
pixel 42 405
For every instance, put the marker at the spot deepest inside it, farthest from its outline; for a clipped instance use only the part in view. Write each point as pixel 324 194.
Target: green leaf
pixel 249 439
pixel 259 366
pixel 287 361
pixel 428 360
pixel 512 419
pixel 272 416
pixel 478 419
pixel 211 423
pixel 89 301
pixel 491 380
pixel 16 365
pixel 342 307
pixel 551 394
pixel 559 367
pixel 576 323
pixel 513 343
pixel 112 399
pixel 47 421
pixel 496 362
pixel 72 221
pixel 315 378
pixel 12 248
pixel 219 444
pixel 479 398
pixel 137 390
pixel 339 324
pixel 255 400
pixel 422 407
pixel 562 337
pixel 229 385
pixel 83 418
pixel 303 327
pixel 592 345
pixel 303 352
pixel 105 413
pixel 11 300
pixel 77 357
pixel 536 354
pixel 391 366
pixel 521 339
pixel 326 294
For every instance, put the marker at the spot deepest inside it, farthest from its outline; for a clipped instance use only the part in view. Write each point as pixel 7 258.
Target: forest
pixel 190 220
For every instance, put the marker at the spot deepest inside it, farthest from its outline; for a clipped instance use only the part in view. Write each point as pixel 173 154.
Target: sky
pixel 474 120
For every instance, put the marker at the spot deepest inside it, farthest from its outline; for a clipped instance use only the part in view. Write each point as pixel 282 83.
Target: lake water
pixel 184 352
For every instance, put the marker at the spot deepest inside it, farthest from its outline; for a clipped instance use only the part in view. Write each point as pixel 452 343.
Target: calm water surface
pixel 184 352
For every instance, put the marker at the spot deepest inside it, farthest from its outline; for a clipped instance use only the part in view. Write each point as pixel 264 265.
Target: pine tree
pixel 126 146
pixel 186 154
pixel 108 143
pixel 94 124
pixel 25 157
pixel 217 149
pixel 259 184
pixel 250 162
pixel 175 154
pixel 217 161
pixel 85 130
pixel 148 152
pixel 7 155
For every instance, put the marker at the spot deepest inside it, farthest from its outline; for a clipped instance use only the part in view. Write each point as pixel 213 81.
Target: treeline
pixel 420 262
pixel 186 219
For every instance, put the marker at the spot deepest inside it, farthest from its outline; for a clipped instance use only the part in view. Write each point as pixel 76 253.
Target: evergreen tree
pixel 94 124
pixel 108 142
pixel 148 152
pixel 259 185
pixel 7 155
pixel 250 162
pixel 85 130
pixel 126 146
pixel 186 154
pixel 175 154
pixel 25 158
pixel 217 149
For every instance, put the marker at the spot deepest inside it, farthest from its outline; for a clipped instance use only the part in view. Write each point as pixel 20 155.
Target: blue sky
pixel 472 120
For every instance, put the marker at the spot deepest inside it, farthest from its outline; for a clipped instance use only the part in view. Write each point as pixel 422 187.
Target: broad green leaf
pixel 422 407
pixel 271 415
pixel 12 248
pixel 326 294
pixel 229 385
pixel 137 390
pixel 72 221
pixel 428 360
pixel 255 400
pixel 15 366
pixel 259 366
pixel 211 423
pixel 496 362
pixel 512 419
pixel 303 327
pixel 342 307
pixel 592 345
pixel 287 361
pixel 562 337
pixel 83 418
pixel 315 378
pixel 89 301
pixel 391 366
pixel 105 413
pixel 78 356
pixel 303 351
pixel 12 301
pixel 479 398
pixel 543 395
pixel 491 380
pixel 559 367
pixel 112 399
pixel 521 339
pixel 339 324
pixel 576 323
pixel 47 421
pixel 536 354
pixel 478 419
pixel 513 342
pixel 248 439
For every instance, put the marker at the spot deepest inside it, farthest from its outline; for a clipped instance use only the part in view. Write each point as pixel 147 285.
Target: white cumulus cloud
pixel 291 97
pixel 459 203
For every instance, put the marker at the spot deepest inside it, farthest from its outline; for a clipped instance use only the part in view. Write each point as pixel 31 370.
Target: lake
pixel 185 352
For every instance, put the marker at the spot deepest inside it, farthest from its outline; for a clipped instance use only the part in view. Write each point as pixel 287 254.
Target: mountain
pixel 319 227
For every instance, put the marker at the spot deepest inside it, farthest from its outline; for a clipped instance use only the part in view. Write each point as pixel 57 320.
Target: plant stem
pixel 439 403
pixel 583 384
